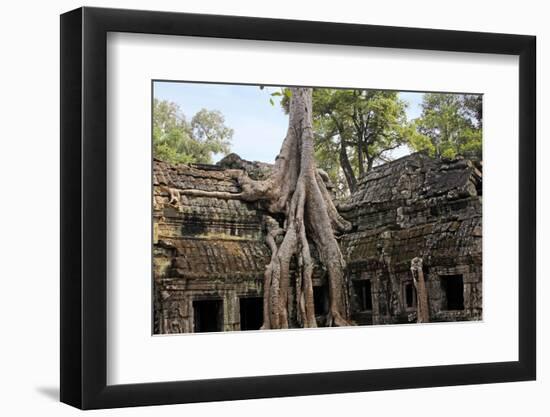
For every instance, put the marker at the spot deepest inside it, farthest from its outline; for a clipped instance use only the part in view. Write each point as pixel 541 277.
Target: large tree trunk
pixel 296 189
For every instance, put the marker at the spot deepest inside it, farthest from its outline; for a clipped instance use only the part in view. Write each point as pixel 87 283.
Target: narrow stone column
pixel 422 310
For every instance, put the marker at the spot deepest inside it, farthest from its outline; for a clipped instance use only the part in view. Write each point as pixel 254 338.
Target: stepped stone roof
pixel 198 176
pixel 416 206
pixel 417 176
pixel 413 206
pixel 205 236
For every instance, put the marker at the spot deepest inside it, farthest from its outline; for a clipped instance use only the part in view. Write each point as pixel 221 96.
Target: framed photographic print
pixel 256 208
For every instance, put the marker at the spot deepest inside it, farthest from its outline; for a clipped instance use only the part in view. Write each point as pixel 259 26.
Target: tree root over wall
pixel 296 189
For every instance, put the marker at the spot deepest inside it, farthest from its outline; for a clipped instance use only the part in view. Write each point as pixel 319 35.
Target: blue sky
pixel 259 127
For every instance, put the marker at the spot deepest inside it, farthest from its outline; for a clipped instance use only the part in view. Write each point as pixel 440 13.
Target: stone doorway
pixel 251 312
pixel 207 316
pixel 363 292
pixel 453 292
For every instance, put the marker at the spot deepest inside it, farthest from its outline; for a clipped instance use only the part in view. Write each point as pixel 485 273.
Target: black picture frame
pixel 84 207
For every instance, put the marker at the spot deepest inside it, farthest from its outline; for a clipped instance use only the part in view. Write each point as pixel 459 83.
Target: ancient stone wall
pixel 204 248
pixel 210 255
pixel 417 207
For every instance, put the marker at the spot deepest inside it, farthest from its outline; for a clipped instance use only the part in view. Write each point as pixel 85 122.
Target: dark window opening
pixel 194 225
pixel 453 290
pixel 208 316
pixel 319 301
pixel 251 313
pixel 410 295
pixel 364 294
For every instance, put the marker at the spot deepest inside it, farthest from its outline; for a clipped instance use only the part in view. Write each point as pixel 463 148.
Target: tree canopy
pixel 178 141
pixel 355 129
pixel 450 125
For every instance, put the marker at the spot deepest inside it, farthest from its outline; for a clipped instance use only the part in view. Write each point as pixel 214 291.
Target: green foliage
pixel 178 141
pixel 210 134
pixel 284 93
pixel 354 129
pixel 451 125
pixel 326 153
pixel 418 141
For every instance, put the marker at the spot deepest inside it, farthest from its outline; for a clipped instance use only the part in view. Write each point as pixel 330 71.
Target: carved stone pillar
pixel 422 310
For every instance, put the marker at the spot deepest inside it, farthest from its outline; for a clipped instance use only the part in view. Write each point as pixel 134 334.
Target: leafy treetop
pixel 178 141
pixel 450 125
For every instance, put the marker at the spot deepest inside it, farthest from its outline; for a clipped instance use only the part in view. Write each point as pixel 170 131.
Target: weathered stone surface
pixel 204 248
pixel 213 249
pixel 255 169
pixel 418 207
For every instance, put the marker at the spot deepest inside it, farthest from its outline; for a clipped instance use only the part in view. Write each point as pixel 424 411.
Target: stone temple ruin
pixel 416 221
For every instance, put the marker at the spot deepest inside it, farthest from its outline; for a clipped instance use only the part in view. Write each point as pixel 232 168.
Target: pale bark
pixel 422 311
